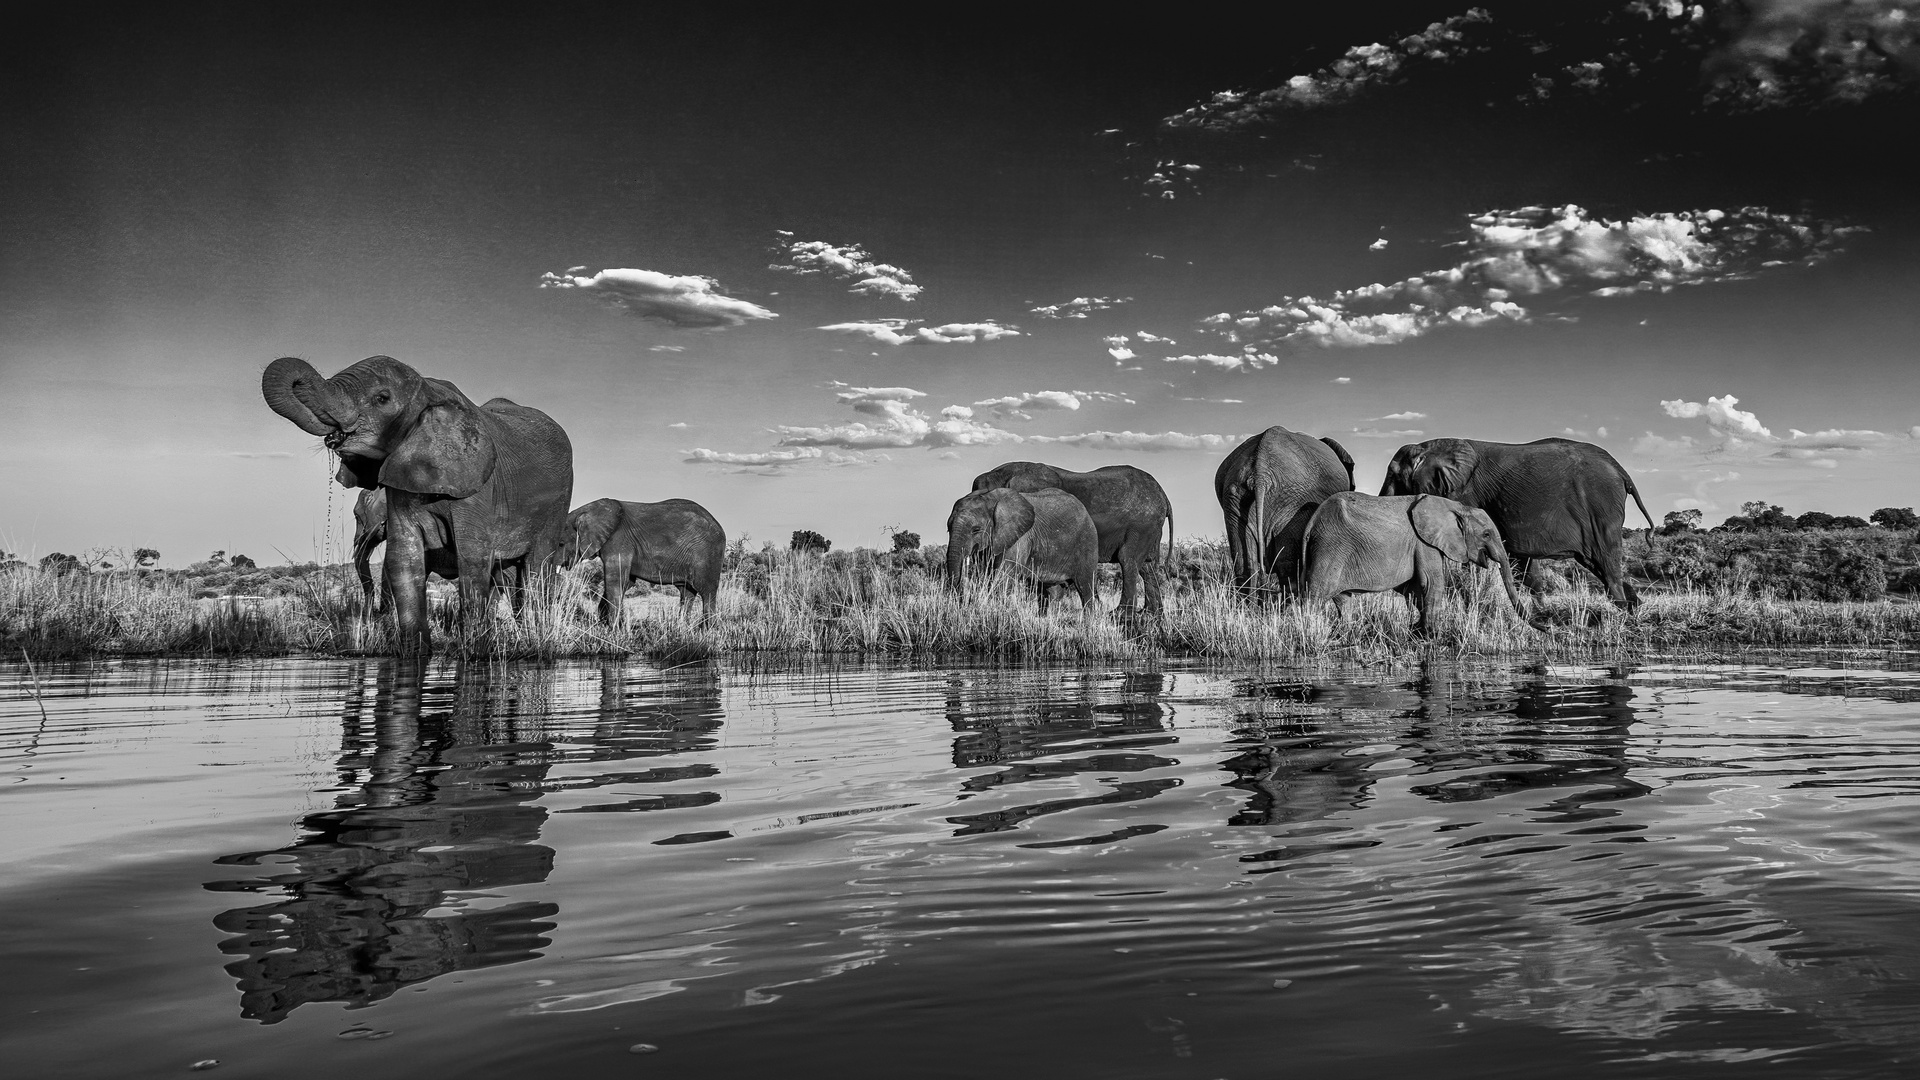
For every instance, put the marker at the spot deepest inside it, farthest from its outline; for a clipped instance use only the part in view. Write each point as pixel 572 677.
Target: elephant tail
pixel 1256 526
pixel 1169 563
pixel 1635 492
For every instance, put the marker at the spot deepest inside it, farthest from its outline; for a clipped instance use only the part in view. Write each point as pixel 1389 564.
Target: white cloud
pixel 1535 251
pixel 1737 434
pixel 1023 406
pixel 1249 360
pixel 688 302
pixel 1106 397
pixel 1378 245
pixel 1402 416
pixel 846 262
pixel 1359 70
pixel 1155 339
pixel 666 348
pixel 678 425
pixel 896 332
pixel 1376 433
pixel 703 456
pixel 1138 440
pixel 1214 400
pixel 1117 348
pixel 1169 179
pixel 1080 306
pixel 1342 380
pixel 1601 431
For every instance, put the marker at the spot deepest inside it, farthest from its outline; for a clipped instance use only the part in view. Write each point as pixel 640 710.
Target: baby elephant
pixel 1372 543
pixel 1046 535
pixel 675 542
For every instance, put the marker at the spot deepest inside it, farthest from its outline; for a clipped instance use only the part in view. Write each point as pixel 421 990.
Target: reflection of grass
pixel 796 605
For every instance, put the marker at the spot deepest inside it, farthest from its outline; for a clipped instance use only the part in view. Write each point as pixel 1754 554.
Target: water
pixel 359 868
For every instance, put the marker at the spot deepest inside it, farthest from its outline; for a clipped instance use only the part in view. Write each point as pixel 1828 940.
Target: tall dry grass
pixel 805 605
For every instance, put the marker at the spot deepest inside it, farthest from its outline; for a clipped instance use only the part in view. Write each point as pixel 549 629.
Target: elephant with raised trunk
pixel 1268 487
pixel 674 542
pixel 491 482
pixel 1046 536
pixel 1372 543
pixel 1550 499
pixel 1128 507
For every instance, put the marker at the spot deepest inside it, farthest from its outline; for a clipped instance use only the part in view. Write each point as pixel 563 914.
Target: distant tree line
pixel 1761 516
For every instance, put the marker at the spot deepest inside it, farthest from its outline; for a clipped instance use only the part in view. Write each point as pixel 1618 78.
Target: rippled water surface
pixel 367 869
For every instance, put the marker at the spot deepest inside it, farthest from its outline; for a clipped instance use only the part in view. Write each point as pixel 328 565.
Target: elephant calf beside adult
pixel 1268 487
pixel 1550 499
pixel 1046 536
pixel 1128 508
pixel 491 482
pixel 370 531
pixel 1371 543
pixel 674 542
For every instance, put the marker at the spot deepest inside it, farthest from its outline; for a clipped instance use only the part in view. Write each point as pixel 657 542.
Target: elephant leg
pixel 476 592
pixel 1045 593
pixel 615 574
pixel 687 597
pixel 406 583
pixel 1236 553
pixel 1612 578
pixel 1129 577
pixel 1152 579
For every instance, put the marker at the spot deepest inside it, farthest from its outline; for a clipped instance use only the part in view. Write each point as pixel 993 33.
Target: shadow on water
pixel 439 777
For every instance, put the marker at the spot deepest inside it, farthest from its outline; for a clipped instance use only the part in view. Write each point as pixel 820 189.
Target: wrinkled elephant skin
pixel 1044 536
pixel 1373 543
pixel 673 542
pixel 1129 511
pixel 1268 487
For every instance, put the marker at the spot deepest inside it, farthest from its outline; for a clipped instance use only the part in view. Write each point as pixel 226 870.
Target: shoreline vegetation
pixel 1705 592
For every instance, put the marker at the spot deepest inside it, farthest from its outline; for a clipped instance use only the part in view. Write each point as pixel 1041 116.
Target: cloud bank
pixel 1362 68
pixel 1536 251
pixel 845 262
pixel 1080 307
pixel 688 302
pixel 1736 433
pixel 897 332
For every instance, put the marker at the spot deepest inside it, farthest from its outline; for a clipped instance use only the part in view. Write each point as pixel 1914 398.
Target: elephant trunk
pixel 281 385
pixel 956 564
pixel 1513 595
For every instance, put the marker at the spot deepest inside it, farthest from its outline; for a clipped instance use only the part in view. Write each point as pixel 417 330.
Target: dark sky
pixel 187 197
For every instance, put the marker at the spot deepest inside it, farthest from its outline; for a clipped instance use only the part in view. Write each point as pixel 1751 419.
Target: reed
pixel 794 605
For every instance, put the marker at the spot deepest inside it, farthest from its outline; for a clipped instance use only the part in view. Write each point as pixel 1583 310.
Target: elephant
pixel 1046 535
pixel 1268 487
pixel 1128 508
pixel 675 542
pixel 1550 499
pixel 491 482
pixel 370 531
pixel 1371 543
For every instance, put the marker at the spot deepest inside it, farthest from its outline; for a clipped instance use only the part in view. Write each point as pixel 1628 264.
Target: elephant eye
pixel 382 398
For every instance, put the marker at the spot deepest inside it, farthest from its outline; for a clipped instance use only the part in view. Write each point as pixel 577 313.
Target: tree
pixel 1680 521
pixel 241 562
pixel 906 541
pixel 217 558
pixel 59 562
pixel 1848 521
pixel 808 540
pixel 1813 519
pixel 1763 515
pixel 145 557
pixel 1889 517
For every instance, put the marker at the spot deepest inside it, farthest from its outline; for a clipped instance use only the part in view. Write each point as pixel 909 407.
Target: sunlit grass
pixel 803 605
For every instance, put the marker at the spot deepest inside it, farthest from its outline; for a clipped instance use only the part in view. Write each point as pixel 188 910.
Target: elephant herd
pixel 478 494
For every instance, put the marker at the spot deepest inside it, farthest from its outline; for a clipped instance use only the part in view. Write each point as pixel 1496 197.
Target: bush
pixel 808 540
pixel 1889 517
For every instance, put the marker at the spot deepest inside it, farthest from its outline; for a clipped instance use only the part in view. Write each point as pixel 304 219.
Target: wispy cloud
pixel 1117 348
pixel 1360 69
pixel 1080 307
pixel 846 262
pixel 1023 406
pixel 687 301
pixel 904 332
pixel 1400 416
pixel 1377 433
pixel 1535 251
pixel 1737 434
pixel 1170 179
pixel 1214 400
pixel 1140 440
pixel 1152 339
pixel 1249 360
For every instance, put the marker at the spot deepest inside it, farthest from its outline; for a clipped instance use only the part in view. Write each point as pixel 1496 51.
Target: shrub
pixel 808 540
pixel 1889 517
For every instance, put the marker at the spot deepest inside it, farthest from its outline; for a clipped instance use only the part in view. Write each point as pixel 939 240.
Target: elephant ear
pixel 592 526
pixel 1012 521
pixel 448 451
pixel 1443 467
pixel 1443 525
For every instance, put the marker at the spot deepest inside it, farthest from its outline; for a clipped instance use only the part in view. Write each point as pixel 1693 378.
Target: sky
pixel 817 272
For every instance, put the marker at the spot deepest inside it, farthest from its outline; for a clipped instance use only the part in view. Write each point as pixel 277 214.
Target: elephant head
pixel 985 528
pixel 1438 467
pixel 588 530
pixel 1027 475
pixel 1465 535
pixel 390 427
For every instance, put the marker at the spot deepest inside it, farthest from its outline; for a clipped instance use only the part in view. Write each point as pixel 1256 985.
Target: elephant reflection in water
pixel 1305 759
pixel 439 800
pixel 1005 719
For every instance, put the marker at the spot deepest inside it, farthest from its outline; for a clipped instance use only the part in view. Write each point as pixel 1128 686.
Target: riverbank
pixel 807 606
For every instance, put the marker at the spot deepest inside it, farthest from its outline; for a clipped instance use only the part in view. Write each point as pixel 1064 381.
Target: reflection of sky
pixel 1000 224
